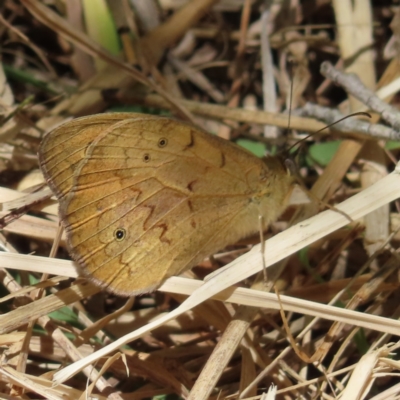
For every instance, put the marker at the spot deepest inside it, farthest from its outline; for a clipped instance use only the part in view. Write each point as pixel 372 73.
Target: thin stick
pixel 262 242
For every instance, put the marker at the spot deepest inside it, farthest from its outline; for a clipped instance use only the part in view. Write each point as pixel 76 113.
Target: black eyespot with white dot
pixel 120 234
pixel 146 157
pixel 162 142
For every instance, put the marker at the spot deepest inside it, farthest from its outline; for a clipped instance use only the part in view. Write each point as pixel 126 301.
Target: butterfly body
pixel 143 198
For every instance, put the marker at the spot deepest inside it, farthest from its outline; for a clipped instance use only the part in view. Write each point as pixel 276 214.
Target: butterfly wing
pixel 143 198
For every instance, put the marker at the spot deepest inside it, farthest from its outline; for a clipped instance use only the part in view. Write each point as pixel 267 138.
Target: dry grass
pixel 214 333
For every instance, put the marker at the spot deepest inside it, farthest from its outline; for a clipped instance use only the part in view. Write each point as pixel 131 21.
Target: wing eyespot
pixel 120 234
pixel 162 142
pixel 146 157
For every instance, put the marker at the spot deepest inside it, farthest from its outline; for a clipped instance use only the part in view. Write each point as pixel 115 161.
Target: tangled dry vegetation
pixel 229 66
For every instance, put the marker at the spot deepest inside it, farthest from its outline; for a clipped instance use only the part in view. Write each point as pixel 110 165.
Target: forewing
pixel 144 198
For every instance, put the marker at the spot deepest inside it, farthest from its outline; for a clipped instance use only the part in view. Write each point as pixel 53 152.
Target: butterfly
pixel 143 197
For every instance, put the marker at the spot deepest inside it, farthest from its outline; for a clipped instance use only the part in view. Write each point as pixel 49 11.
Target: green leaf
pixel 19 75
pixel 361 341
pixel 139 109
pixel 257 148
pixel 305 262
pixel 392 145
pixel 322 153
pixel 67 315
pixel 100 27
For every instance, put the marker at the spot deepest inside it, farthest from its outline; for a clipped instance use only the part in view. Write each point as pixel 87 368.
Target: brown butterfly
pixel 143 197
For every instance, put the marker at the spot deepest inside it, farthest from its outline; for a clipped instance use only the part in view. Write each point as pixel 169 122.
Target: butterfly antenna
pixel 290 165
pixel 365 114
pixel 290 97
